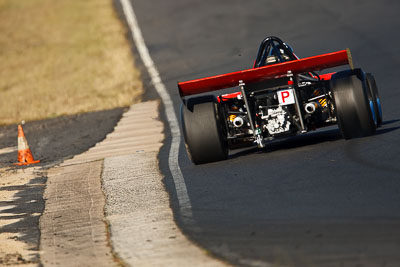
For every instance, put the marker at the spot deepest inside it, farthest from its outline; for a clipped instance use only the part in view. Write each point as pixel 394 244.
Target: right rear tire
pixel 352 107
pixel 203 129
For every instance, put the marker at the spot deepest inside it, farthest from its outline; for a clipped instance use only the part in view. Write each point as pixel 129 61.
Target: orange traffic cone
pixel 24 152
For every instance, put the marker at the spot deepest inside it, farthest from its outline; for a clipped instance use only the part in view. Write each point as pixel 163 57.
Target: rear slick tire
pixel 203 130
pixel 353 111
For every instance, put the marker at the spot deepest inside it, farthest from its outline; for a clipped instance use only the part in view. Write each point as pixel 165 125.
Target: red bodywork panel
pixel 223 81
pixel 326 77
pixel 226 97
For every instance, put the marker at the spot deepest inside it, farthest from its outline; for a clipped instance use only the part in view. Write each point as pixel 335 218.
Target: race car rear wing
pixel 260 74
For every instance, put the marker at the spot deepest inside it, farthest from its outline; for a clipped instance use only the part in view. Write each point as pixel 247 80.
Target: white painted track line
pixel 185 205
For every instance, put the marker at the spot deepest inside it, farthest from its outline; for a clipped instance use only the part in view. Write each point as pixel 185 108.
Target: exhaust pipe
pixel 238 122
pixel 310 107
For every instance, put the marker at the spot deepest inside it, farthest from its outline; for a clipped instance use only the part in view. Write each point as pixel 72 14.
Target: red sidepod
pixel 223 81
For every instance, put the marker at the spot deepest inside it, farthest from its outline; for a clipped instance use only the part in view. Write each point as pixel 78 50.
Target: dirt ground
pixel 21 204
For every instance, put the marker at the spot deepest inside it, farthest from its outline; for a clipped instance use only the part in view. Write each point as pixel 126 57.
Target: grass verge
pixel 63 57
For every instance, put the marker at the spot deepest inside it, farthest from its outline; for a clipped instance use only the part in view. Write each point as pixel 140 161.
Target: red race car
pixel 280 96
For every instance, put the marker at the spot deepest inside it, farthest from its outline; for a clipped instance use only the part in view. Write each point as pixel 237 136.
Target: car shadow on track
pixel 313 138
pixel 386 130
pixel 389 122
pixel 308 139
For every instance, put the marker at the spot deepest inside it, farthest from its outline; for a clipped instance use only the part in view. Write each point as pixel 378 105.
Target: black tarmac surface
pixel 317 199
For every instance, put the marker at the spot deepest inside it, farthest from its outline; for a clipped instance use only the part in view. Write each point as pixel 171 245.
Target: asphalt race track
pixel 315 200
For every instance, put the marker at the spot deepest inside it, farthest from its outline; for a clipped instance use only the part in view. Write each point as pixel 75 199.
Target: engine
pixel 276 120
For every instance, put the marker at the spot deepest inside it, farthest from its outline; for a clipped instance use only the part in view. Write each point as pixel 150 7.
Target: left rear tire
pixel 203 130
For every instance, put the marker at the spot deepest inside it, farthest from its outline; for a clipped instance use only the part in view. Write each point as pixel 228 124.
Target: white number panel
pixel 286 97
